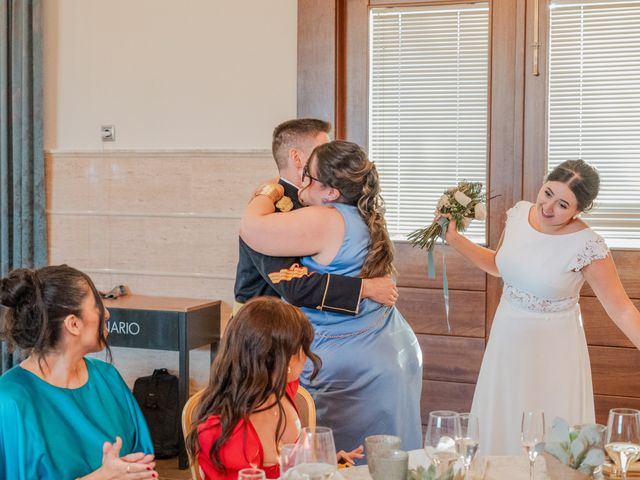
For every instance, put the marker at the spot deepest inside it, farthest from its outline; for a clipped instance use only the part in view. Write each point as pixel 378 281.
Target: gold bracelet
pixel 274 191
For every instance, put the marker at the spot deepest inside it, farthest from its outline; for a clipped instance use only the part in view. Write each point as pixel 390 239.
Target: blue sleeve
pixel 142 441
pixel 16 446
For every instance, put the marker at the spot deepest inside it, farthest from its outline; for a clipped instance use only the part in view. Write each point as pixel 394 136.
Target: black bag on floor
pixel 157 396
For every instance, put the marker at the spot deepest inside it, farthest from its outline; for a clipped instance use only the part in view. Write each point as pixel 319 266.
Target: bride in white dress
pixel 537 357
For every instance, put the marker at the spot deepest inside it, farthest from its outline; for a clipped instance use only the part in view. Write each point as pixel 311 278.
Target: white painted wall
pixel 194 88
pixel 169 74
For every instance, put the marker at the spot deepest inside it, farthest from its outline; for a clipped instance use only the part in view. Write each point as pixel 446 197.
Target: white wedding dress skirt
pixel 539 362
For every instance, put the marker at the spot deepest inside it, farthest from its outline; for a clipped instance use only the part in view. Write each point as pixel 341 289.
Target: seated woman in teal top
pixel 60 411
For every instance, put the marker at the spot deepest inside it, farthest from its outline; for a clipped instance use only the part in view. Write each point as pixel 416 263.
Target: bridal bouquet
pixel 464 203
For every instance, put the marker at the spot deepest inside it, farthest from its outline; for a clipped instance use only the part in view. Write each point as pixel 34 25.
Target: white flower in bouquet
pixel 480 212
pixel 442 202
pixel 461 198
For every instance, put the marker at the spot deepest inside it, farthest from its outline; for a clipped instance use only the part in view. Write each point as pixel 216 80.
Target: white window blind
pixel 428 107
pixel 594 105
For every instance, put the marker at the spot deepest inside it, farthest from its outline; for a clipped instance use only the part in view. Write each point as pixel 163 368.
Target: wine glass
pixel 623 438
pixel 287 457
pixel 439 442
pixel 469 439
pixel 251 474
pixel 316 454
pixel 532 434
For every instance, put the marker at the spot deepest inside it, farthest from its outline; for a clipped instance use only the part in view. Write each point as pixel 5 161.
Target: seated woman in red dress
pixel 247 410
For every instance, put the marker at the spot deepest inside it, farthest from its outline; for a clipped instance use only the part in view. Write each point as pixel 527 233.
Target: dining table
pixel 514 467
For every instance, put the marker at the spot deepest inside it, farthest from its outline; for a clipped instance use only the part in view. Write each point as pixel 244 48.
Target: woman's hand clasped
pixel 135 466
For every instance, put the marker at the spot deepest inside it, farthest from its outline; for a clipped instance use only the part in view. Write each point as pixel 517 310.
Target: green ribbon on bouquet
pixel 444 224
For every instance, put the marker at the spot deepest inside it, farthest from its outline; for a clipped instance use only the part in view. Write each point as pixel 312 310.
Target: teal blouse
pixel 47 432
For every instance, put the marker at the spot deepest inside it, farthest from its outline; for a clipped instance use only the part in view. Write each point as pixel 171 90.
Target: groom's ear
pixel 296 158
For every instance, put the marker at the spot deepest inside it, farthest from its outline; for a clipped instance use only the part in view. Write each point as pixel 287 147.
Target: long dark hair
pixel 581 178
pixel 37 303
pixel 250 367
pixel 345 167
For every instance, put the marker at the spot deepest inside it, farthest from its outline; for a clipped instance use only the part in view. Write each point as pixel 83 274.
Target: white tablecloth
pixel 492 468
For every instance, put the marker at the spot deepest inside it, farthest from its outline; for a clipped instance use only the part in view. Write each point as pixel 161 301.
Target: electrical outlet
pixel 108 133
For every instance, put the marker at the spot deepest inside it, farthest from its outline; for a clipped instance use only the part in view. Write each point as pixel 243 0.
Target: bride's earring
pixel 289 370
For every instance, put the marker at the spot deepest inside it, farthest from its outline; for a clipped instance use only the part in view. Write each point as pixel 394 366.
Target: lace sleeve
pixel 594 249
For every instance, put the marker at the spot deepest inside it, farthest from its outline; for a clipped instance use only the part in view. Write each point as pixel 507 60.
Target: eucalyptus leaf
pixel 557 450
pixel 594 458
pixel 578 448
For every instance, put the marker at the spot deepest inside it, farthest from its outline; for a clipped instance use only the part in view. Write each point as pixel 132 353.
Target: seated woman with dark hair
pixel 60 411
pixel 247 411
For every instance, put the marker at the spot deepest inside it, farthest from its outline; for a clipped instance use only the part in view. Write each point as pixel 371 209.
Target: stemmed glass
pixel 623 438
pixel 469 439
pixel 287 457
pixel 316 454
pixel 440 440
pixel 532 434
pixel 251 474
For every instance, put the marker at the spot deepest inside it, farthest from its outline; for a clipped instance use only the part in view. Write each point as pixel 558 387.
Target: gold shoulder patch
pixel 284 204
pixel 287 274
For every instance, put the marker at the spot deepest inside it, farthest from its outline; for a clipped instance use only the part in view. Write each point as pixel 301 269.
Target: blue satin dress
pixel 53 433
pixel 371 376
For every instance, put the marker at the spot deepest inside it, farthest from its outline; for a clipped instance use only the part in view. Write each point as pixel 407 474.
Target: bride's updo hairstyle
pixel 345 167
pixel 37 303
pixel 581 178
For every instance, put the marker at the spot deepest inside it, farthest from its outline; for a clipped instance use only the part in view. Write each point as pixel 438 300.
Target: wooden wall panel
pixel 445 396
pixel 424 310
pixel 411 264
pixel 452 359
pixel 628 265
pixel 599 328
pixel 506 124
pixel 317 59
pixel 356 82
pixel 615 371
pixel 604 403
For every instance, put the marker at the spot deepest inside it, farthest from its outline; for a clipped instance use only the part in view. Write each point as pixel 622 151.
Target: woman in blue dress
pixel 371 376
pixel 64 416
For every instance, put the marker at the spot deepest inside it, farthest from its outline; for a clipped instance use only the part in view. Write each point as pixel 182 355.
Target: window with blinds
pixel 428 107
pixel 594 105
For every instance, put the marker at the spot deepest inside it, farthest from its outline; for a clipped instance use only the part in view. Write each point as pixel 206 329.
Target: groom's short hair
pixel 291 133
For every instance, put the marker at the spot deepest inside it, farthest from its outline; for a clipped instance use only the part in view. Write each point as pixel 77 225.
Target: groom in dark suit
pixel 258 274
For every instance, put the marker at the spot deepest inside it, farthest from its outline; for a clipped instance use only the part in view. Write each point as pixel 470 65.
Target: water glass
pixel 469 440
pixel 440 440
pixel 251 474
pixel 378 443
pixel 623 438
pixel 532 434
pixel 389 465
pixel 316 454
pixel 287 457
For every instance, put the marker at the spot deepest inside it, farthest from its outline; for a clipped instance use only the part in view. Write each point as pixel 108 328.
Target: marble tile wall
pixel 161 222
